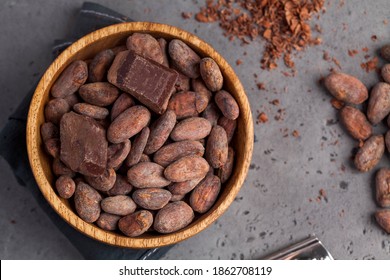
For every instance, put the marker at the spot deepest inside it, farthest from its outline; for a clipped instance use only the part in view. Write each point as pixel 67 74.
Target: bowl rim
pixel 33 133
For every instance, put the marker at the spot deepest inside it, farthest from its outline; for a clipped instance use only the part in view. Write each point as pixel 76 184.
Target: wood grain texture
pixel 86 48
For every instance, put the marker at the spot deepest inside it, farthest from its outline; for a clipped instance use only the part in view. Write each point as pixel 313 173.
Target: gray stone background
pixel 278 203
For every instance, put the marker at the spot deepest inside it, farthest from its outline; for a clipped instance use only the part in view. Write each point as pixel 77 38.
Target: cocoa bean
pixel 136 224
pixel 346 88
pixel 355 123
pixel 382 183
pixel 87 202
pixel 211 74
pixel 217 147
pixel 70 80
pixel 173 217
pixel 370 153
pixel 147 175
pixel 379 103
pixel 186 168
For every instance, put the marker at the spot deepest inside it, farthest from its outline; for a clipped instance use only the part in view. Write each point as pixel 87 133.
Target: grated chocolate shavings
pixel 283 24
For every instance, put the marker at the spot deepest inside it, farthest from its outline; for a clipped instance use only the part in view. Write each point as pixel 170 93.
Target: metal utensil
pixel 308 249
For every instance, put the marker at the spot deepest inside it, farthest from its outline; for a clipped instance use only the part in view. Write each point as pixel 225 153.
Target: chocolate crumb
pixel 260 86
pixel 262 118
pixel 337 103
pixel 186 15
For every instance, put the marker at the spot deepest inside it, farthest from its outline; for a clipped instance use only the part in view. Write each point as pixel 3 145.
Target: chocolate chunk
pixel 83 144
pixel 148 81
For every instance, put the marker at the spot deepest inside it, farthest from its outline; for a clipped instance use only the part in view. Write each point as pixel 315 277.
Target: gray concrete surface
pixel 277 204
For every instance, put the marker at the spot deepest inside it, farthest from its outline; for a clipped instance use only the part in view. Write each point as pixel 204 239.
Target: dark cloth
pixel 13 148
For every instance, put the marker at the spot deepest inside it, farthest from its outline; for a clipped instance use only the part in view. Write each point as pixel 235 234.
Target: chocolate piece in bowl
pixel 148 81
pixel 83 144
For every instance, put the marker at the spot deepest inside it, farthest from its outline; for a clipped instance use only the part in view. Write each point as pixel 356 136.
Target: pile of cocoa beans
pixel 126 167
pixel 350 91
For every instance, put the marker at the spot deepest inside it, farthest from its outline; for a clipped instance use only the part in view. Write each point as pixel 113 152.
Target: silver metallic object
pixel 308 249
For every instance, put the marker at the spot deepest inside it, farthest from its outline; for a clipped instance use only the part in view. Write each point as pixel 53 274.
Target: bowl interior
pixel 86 48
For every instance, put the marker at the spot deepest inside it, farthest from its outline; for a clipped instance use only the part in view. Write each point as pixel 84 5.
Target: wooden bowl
pixel 86 48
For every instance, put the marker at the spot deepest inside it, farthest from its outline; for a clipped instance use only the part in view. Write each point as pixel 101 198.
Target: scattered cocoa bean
pixel 386 73
pixel 379 103
pixel 355 123
pixel 383 219
pixel 346 88
pixel 382 183
pixel 385 52
pixel 370 153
